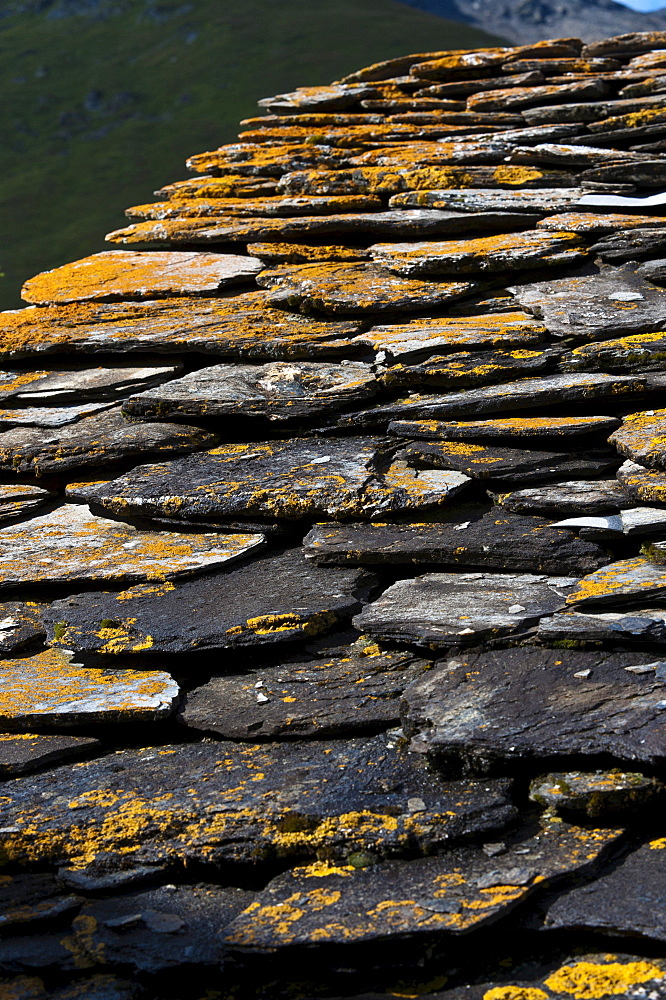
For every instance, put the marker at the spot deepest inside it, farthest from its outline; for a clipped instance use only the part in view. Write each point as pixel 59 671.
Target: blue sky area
pixel 644 4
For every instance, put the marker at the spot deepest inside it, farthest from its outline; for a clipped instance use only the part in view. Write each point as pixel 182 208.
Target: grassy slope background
pixel 104 99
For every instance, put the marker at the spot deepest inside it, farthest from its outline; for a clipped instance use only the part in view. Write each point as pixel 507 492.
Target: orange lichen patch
pixel 269 160
pixel 280 206
pixel 515 993
pixel 649 485
pixel 233 186
pixel 642 437
pixel 509 427
pixel 600 222
pixel 49 689
pixel 349 136
pixel 622 352
pixel 300 253
pixel 462 64
pixel 452 333
pixel 589 981
pixel 635 119
pixel 412 175
pixel 123 274
pixel 627 578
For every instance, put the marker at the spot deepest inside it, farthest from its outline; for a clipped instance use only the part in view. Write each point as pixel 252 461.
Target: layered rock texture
pixel 333 550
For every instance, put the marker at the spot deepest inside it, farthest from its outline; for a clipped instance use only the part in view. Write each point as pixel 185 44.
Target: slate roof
pixel 333 551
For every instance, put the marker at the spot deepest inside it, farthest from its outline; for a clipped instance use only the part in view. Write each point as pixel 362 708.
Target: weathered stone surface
pixel 648 485
pixel 72 545
pixel 277 599
pixel 639 351
pixel 599 306
pixel 443 609
pixel 602 116
pixel 55 388
pixel 295 478
pixel 303 253
pixel 642 624
pixel 524 97
pixel 637 41
pixel 630 245
pixel 626 902
pixel 21 753
pixel 524 544
pixel 465 64
pixel 520 395
pixel 248 159
pixel 646 173
pixel 50 690
pixel 229 186
pixel 469 368
pixel 511 465
pixel 15 501
pixel 624 582
pixel 420 337
pixel 635 521
pixel 491 200
pixel 279 390
pixel 123 274
pixel 654 270
pixel 192 208
pixel 30 899
pixel 327 697
pixel 596 793
pixel 161 929
pixel 93 441
pixel 642 438
pixel 98 987
pixel 503 427
pixel 333 98
pixel 244 326
pixel 597 496
pixel 522 251
pixel 20 624
pixel 355 289
pixel 595 224
pixel 462 890
pixel 50 416
pixel 224 801
pixel 517 704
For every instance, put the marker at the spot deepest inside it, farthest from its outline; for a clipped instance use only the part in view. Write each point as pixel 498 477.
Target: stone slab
pixel 126 274
pixel 642 438
pixel 543 704
pixel 627 581
pixel 443 609
pixel 580 497
pixel 21 625
pixel 355 289
pixel 482 200
pixel 18 500
pixel 503 428
pixel 29 899
pixel 324 698
pixel 279 390
pixel 21 753
pixel 280 205
pixel 273 600
pixel 55 388
pixel 509 542
pixel 631 245
pixel 469 368
pixel 648 485
pixel 241 327
pixel 50 690
pixel 516 252
pixel 289 479
pixel 94 441
pixel 71 544
pixel 596 224
pixel 639 351
pixel 50 416
pixel 429 898
pixel 217 802
pixel 634 625
pixel 597 793
pixel 614 302
pixel 633 522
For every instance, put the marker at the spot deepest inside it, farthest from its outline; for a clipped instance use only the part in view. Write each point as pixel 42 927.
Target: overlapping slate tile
pixel 247 159
pixel 625 902
pixel 601 306
pixel 355 289
pixel 523 97
pixel 596 793
pixel 517 704
pixel 72 544
pixel 522 251
pixel 633 522
pixel 191 208
pixel 443 896
pixel 50 416
pixel 503 428
pixel 123 274
pixel 470 368
pixel 50 690
pixel 343 695
pixel 18 500
pixel 627 581
pixel 94 441
pixel 277 599
pixel 55 388
pixel 21 625
pixel 245 326
pixel 641 438
pixel 596 496
pixel 224 801
pixel 304 253
pixel 21 753
pixel 635 624
pixel 97 987
pixel 648 485
pixel 279 390
pixel 480 200
pixel 639 351
pixel 445 609
pixel 30 899
pixel 621 246
pixel 294 478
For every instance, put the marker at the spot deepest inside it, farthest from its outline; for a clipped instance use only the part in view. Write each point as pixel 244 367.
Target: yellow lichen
pixel 589 981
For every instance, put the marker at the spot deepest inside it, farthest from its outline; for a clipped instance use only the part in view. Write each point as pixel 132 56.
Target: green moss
pixel 59 630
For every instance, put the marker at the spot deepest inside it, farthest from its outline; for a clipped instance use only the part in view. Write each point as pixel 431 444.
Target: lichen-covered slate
pixel 639 351
pixel 648 485
pixel 126 274
pixel 279 390
pixel 277 599
pixel 355 289
pixel 301 477
pixel 17 500
pixel 522 251
pixel 598 496
pixel 625 902
pixel 635 521
pixel 595 793
pixel 280 206
pixel 421 337
pixel 244 326
pixel 57 387
pixel 21 625
pixel 513 704
pixel 613 302
pixel 21 753
pixel 216 802
pixel 522 544
pixel 642 438
pixel 502 428
pixel 51 690
pixel 635 624
pixel 73 545
pixel 468 368
pixel 339 695
pixel 624 582
pixel 448 895
pixel 444 609
pixel 93 442
pixel 50 416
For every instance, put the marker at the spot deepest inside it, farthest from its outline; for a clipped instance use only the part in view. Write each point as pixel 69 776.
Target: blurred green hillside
pixel 104 99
